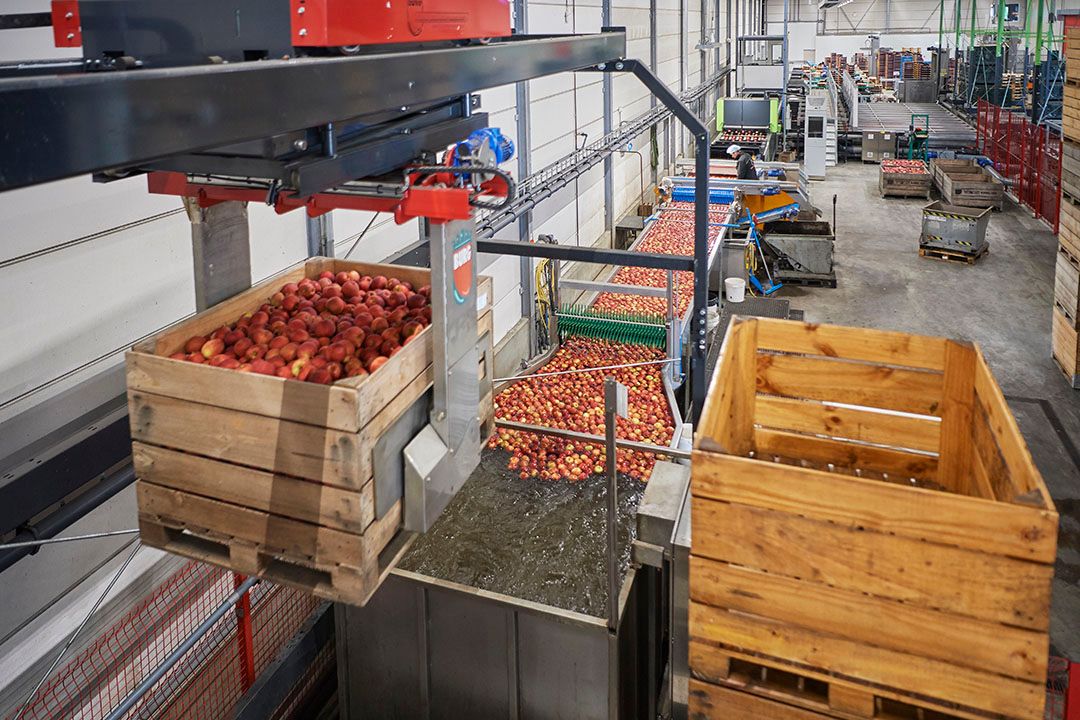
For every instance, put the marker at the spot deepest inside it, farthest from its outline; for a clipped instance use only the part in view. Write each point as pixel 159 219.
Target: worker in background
pixel 745 169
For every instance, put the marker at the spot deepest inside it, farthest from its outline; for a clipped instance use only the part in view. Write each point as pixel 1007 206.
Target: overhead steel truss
pixel 58 126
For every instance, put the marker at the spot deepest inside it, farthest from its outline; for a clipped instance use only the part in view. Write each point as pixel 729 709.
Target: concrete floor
pixel 1003 303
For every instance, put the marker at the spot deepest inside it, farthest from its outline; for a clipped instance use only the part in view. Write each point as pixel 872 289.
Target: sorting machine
pixel 797 247
pixel 751 123
pixel 287 103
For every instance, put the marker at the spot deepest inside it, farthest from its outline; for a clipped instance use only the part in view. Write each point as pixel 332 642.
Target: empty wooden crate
pixel 976 188
pixel 869 529
pixel 274 477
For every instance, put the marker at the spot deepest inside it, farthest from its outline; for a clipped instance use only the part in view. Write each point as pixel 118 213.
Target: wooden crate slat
pixel 980 585
pixel 973 523
pixel 1070 180
pixel 872 346
pixel 957 405
pixel 981 476
pixel 848 455
pixel 728 424
pixel 331 406
pixel 709 702
pixel 287 448
pixel 1069 229
pixel 1022 471
pixel 347 510
pixel 986 453
pixel 967 642
pixel 819 418
pixel 931 678
pixel 851 383
pixel 808 688
pixel 844 699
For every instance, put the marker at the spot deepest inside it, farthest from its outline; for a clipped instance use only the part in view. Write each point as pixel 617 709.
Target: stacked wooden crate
pixel 871 538
pixel 275 477
pixel 1066 312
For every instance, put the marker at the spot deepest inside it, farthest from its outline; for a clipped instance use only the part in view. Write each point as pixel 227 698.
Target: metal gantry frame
pixel 54 126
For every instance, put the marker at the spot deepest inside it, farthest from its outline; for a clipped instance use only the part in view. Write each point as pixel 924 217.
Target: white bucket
pixel 735 289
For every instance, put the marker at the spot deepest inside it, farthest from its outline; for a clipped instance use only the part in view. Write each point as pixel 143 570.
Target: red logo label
pixel 414 12
pixel 463 259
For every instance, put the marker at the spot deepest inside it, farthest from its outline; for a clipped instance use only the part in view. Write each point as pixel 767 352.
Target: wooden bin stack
pixel 273 477
pixel 1066 312
pixel 871 538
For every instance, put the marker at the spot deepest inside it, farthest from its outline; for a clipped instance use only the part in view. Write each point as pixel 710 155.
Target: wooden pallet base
pixel 908 194
pixel 807 281
pixel 1072 380
pixel 951 256
pixel 744 686
pixel 339 582
pixel 1068 315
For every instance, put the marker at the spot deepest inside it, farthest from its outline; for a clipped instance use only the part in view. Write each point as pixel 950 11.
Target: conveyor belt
pixel 946 129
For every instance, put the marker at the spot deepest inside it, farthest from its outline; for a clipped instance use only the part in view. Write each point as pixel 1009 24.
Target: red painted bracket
pixel 436 204
pixel 67 28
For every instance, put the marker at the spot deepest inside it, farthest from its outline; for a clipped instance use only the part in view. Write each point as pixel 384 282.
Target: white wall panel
pixel 497 99
pixel 69 307
pixel 277 241
pixel 383 239
pixel 45 216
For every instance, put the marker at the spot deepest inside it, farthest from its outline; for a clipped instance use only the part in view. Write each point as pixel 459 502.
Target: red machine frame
pixel 355 23
pixel 343 23
pixel 423 197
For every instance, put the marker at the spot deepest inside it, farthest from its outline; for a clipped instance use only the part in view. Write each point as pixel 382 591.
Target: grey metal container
pixel 954 229
pixel 424 647
pixel 878 145
pixel 809 245
pixel 427 648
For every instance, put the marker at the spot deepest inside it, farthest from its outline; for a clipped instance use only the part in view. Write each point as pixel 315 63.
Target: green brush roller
pixel 629 328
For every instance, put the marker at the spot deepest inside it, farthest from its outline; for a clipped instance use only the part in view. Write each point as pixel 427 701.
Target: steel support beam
pixel 546 182
pixel 700 261
pixel 523 122
pixel 583 254
pixel 61 126
pixel 608 88
pixel 68 514
pixel 221 250
pixel 320 235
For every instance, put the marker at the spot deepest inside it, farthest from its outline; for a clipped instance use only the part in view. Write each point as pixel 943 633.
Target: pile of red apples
pixel 904 167
pixel 575 401
pixel 671 234
pixel 319 330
